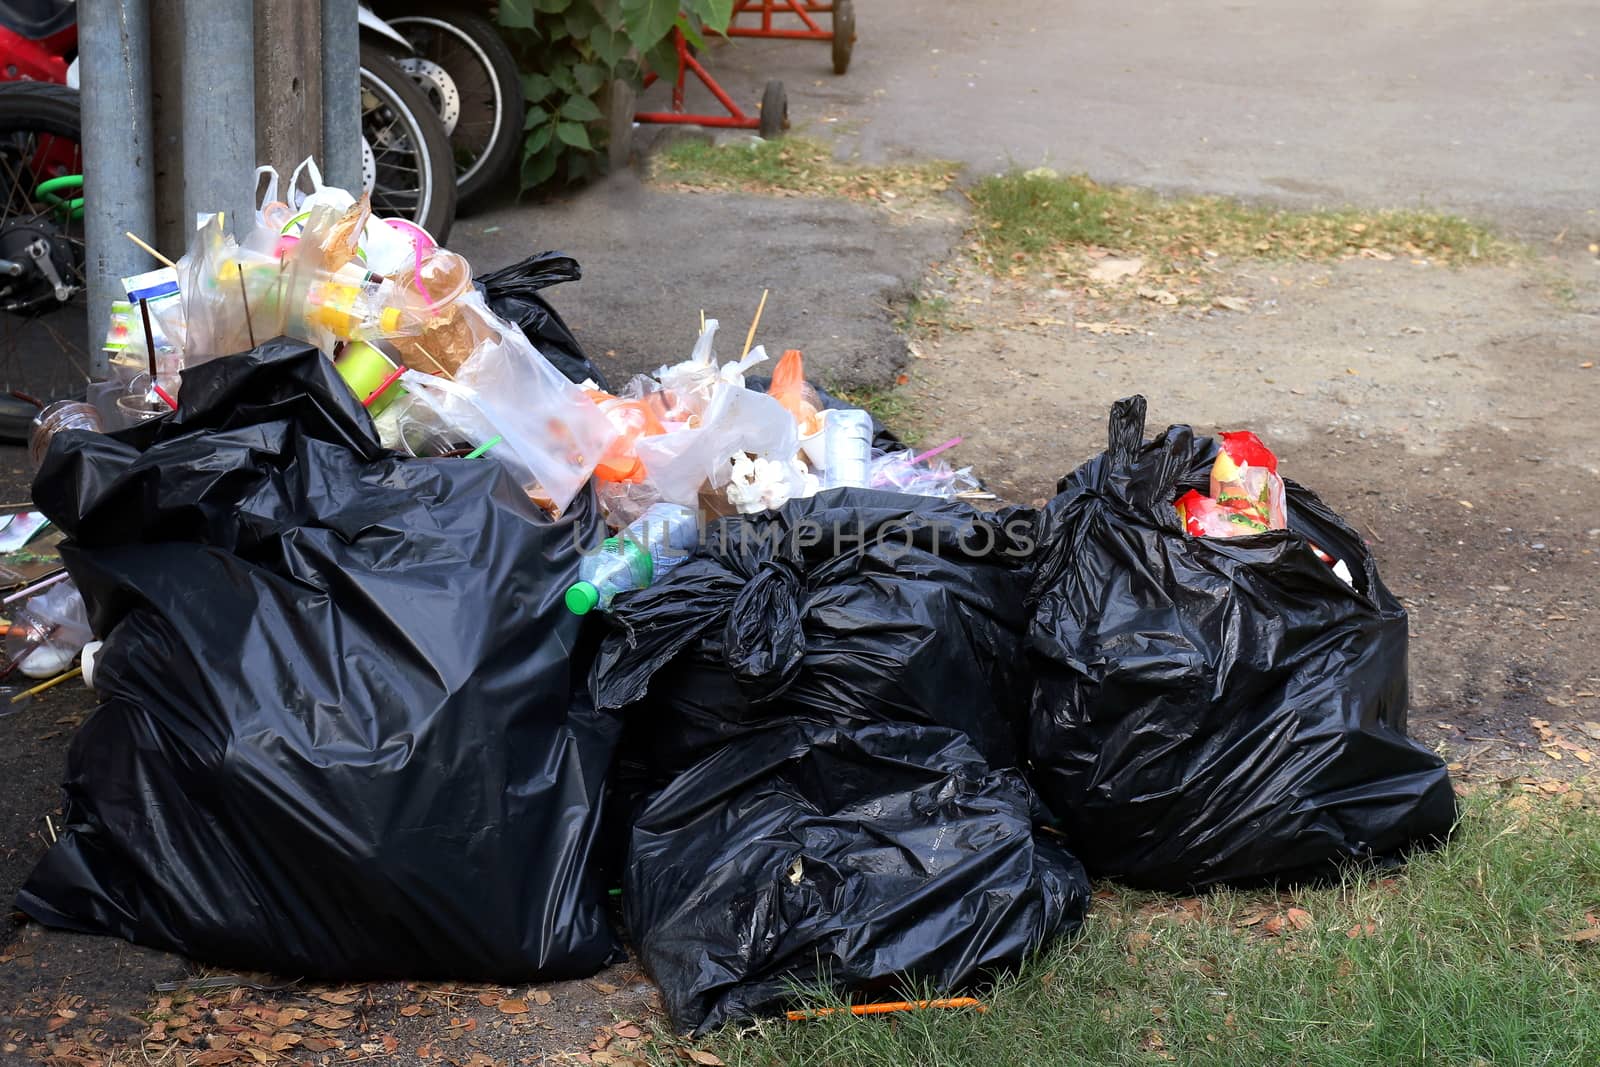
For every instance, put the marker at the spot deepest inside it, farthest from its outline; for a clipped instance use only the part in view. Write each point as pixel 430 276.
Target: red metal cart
pixel 842 32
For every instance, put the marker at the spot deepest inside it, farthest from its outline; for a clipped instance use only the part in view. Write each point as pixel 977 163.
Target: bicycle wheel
pixel 409 168
pixel 472 79
pixel 43 340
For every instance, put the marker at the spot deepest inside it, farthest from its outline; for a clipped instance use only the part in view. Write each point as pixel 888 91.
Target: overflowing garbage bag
pixel 1217 709
pixel 861 857
pixel 851 607
pixel 344 728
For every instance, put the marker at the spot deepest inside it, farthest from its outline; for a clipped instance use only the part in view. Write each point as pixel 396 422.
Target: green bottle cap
pixel 582 598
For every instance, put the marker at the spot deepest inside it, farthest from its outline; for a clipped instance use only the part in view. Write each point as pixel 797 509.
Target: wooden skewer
pixel 142 244
pixel 749 338
pixel 41 687
pixel 436 364
pixel 245 296
pixel 702 320
pixel 885 1009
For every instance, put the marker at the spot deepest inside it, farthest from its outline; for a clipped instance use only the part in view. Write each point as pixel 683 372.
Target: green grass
pixel 924 315
pixel 795 165
pixel 889 405
pixel 1465 963
pixel 1023 215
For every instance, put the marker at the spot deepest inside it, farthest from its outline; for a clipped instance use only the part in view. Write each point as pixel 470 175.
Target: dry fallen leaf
pixel 1362 930
pixel 1588 933
pixel 1558 702
pixel 338 996
pixel 604 988
pixel 629 1031
pixel 704 1058
pixel 1110 270
pixel 1164 297
pixel 513 1007
pixel 1138 940
pixel 1232 303
pixel 540 997
pixel 410 1010
pixel 332 1020
pixel 1252 918
pixel 488 1000
pixel 1298 918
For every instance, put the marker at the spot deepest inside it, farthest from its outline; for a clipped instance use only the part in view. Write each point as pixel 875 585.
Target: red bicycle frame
pixel 765 8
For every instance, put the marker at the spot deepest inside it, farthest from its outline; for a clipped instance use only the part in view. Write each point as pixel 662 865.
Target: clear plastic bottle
pixel 640 553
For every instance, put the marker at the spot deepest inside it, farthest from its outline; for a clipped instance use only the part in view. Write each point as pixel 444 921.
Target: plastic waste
pixel 48 631
pixel 846 448
pixel 515 294
pixel 1247 496
pixel 790 388
pixel 860 857
pixel 736 420
pixel 760 484
pixel 1213 710
pixel 903 471
pixel 641 553
pixel 299 764
pixel 552 435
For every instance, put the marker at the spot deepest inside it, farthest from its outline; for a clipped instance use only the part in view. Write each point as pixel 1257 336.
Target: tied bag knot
pixel 763 636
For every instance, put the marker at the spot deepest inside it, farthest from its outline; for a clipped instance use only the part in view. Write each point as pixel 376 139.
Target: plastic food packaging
pixel 1216 711
pixel 299 764
pixel 1247 496
pixel 230 295
pixel 48 631
pixel 515 294
pixel 790 388
pixel 857 857
pixel 552 435
pixel 901 471
pixel 736 420
pixel 62 415
pixel 641 553
pixel 632 419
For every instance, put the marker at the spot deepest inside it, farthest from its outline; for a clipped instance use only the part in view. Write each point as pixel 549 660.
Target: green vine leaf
pixel 648 21
pixel 580 109
pixel 573 133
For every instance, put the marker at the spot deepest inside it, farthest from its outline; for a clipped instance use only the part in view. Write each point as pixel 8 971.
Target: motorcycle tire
pixel 397 115
pixel 488 132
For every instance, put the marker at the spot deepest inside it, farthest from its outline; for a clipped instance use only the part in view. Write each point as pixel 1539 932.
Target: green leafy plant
pixel 570 51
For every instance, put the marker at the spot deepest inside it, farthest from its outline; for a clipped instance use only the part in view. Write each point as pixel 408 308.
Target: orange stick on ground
pixel 891 1006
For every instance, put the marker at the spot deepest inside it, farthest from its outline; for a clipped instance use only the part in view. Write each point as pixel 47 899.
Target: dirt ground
pixel 1449 414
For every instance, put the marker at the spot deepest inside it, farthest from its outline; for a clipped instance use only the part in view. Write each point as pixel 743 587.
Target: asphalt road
pixel 1486 107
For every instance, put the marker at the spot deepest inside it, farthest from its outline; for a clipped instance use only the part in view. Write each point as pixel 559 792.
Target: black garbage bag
pixel 513 293
pixel 852 606
pixel 344 730
pixel 862 857
pixel 1216 710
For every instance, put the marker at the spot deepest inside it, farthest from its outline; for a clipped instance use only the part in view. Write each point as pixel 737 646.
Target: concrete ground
pixel 1397 390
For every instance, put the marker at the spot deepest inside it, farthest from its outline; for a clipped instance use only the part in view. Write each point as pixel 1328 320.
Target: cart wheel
pixel 619 118
pixel 774 111
pixel 844 34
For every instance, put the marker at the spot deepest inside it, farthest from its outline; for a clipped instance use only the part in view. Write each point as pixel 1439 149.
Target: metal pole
pixel 219 110
pixel 118 180
pixel 341 94
pixel 289 82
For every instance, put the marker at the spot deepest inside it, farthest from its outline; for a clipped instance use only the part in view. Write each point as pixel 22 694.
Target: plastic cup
pixel 136 408
pixel 363 368
pixel 62 415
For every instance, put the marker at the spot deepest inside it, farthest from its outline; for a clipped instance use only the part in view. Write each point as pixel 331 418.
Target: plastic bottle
pixel 640 553
pixel 364 310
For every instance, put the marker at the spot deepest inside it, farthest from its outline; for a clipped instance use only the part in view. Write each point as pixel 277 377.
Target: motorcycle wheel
pixel 43 339
pixel 411 172
pixel 487 88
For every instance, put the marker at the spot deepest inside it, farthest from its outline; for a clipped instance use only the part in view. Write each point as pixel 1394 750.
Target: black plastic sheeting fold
pixel 863 858
pixel 344 730
pixel 822 709
pixel 852 606
pixel 1217 710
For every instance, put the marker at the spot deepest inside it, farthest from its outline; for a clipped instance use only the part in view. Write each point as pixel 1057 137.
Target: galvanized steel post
pixel 219 110
pixel 341 94
pixel 118 180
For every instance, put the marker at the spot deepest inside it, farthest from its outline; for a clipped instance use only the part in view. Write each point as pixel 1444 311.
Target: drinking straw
pixel 149 336
pixel 892 1006
pixel 130 236
pixel 934 451
pixel 28 590
pixel 383 386
pixel 244 296
pixel 481 449
pixel 162 393
pixel 750 337
pixel 57 680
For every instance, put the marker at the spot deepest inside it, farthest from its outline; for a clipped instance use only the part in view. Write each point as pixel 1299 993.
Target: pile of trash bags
pixel 417 638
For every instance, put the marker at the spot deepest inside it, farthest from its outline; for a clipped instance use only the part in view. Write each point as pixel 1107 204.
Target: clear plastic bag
pixel 232 297
pixel 551 434
pixel 48 632
pixel 736 420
